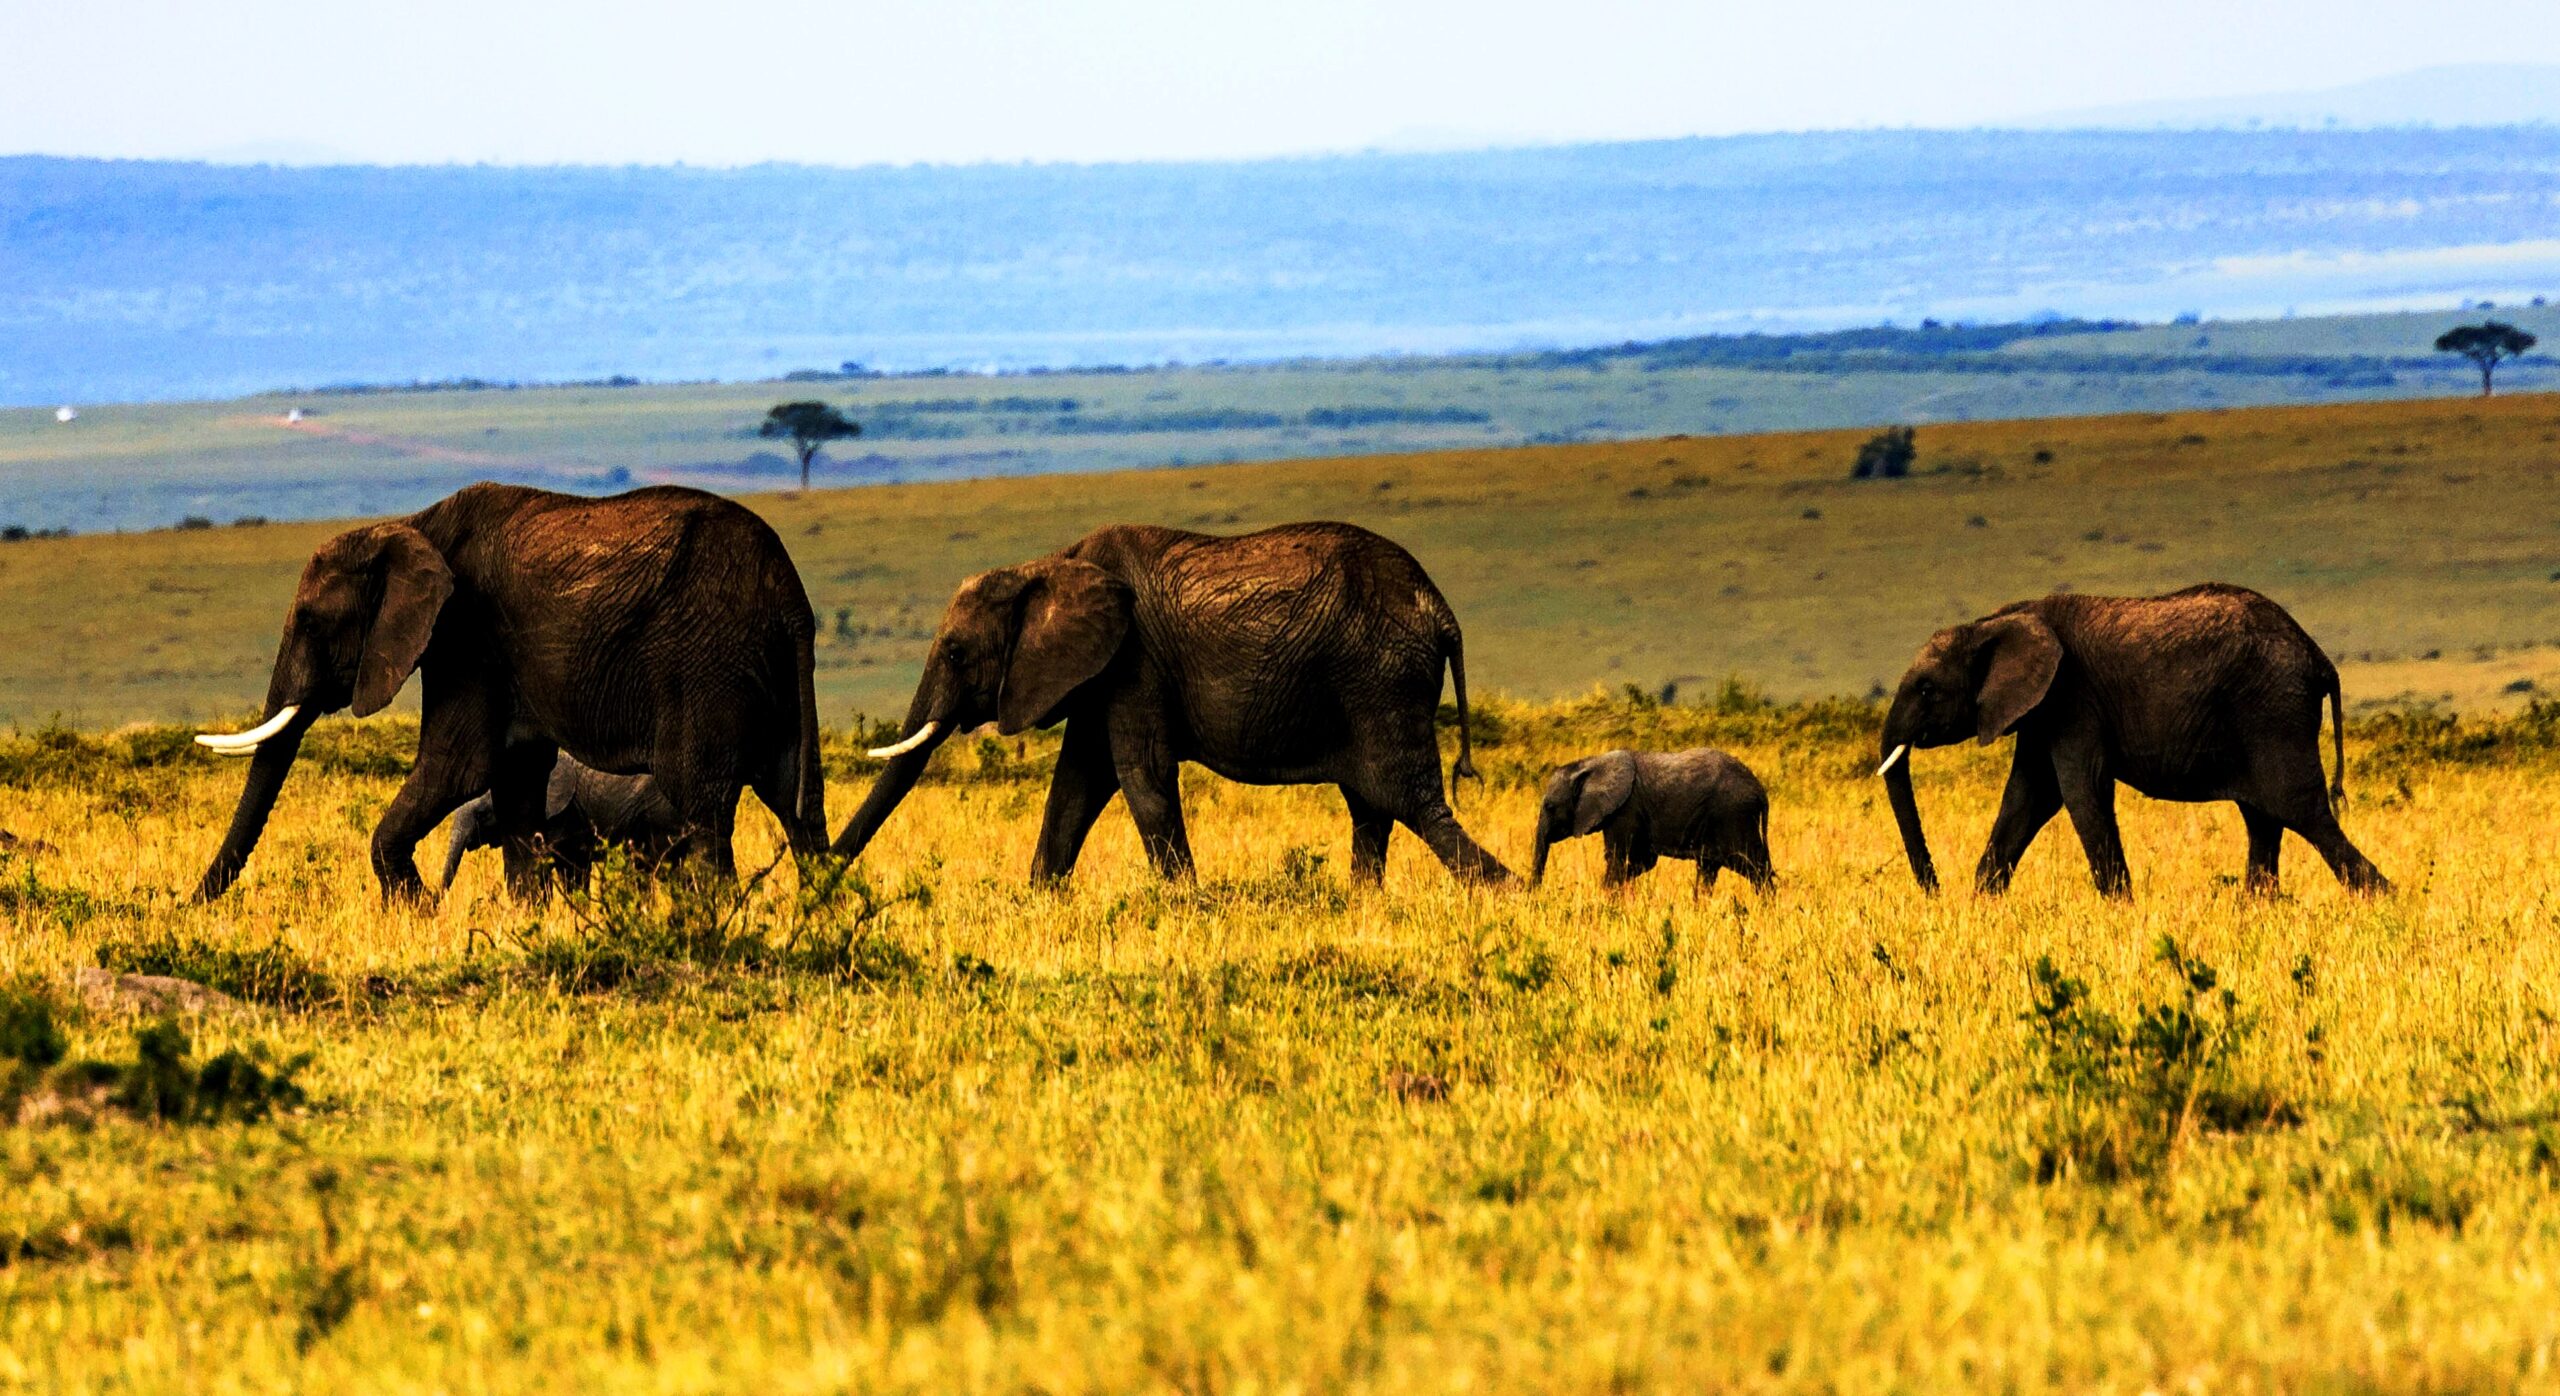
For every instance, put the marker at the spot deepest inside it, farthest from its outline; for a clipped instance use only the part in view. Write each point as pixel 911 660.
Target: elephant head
pixel 360 621
pixel 1978 680
pixel 1580 797
pixel 1015 643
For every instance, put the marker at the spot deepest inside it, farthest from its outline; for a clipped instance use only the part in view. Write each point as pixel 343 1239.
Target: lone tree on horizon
pixel 809 425
pixel 2487 344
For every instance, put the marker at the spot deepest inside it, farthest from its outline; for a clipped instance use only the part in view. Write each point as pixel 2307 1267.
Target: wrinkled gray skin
pixel 2211 693
pixel 1304 654
pixel 1701 805
pixel 582 810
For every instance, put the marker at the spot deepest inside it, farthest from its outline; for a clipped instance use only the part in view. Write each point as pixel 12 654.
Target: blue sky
pixel 527 81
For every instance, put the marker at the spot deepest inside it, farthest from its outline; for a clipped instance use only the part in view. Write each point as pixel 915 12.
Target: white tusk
pixel 1888 761
pixel 243 743
pixel 923 734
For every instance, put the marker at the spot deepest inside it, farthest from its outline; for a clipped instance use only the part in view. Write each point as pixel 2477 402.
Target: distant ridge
pixel 2464 94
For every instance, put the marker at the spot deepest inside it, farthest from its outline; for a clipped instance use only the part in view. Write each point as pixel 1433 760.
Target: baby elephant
pixel 1699 804
pixel 582 810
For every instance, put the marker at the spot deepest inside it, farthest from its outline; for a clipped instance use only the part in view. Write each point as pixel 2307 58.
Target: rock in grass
pixel 149 993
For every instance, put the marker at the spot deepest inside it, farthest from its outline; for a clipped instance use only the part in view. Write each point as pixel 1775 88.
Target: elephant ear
pixel 1073 617
pixel 1605 784
pixel 2018 656
pixel 415 584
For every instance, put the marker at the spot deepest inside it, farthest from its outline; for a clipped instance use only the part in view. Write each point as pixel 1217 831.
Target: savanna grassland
pixel 942 1131
pixel 2413 538
pixel 923 1127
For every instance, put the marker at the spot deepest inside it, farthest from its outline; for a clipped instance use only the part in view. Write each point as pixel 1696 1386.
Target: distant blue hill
pixel 129 281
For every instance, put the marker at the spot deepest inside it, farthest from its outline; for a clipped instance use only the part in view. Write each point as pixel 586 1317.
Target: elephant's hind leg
pixel 1371 828
pixel 2302 805
pixel 2266 848
pixel 518 785
pixel 2288 786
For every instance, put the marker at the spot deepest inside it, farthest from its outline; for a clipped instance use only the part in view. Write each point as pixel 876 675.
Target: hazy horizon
pixel 1112 81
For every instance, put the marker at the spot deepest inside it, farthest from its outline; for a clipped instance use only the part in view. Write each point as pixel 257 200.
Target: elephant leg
pixel 518 783
pixel 2301 804
pixel 2033 798
pixel 2089 793
pixel 1618 857
pixel 1371 828
pixel 1078 794
pixel 1708 867
pixel 458 742
pixel 777 787
pixel 1152 786
pixel 2266 845
pixel 1439 831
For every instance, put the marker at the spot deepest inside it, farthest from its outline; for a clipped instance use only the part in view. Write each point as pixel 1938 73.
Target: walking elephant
pixel 583 809
pixel 2211 693
pixel 660 631
pixel 1304 654
pixel 1701 805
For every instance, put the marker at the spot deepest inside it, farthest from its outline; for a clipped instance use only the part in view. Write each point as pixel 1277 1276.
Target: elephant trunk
pixel 1548 822
pixel 928 727
pixel 1896 751
pixel 267 769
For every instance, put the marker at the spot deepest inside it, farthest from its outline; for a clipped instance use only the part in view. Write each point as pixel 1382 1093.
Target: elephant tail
pixel 1453 648
pixel 2338 737
pixel 811 837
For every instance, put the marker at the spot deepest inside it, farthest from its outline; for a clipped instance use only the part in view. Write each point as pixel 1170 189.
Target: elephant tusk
pixel 883 753
pixel 244 743
pixel 1888 761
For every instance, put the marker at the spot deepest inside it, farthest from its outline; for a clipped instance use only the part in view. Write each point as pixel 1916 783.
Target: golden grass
pixel 2412 538
pixel 1158 1142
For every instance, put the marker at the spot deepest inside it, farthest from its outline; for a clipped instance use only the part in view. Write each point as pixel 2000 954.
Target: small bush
pixel 2125 1099
pixel 1887 455
pixel 273 974
pixel 162 1083
pixel 632 930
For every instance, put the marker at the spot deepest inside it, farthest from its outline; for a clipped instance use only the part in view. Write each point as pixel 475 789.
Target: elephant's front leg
pixel 1151 782
pixel 1627 854
pixel 2089 792
pixel 458 740
pixel 1082 787
pixel 2033 798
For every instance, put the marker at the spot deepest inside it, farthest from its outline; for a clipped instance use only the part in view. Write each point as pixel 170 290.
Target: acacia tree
pixel 2487 344
pixel 809 425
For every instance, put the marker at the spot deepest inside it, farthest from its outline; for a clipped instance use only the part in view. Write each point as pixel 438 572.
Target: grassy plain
pixel 1267 1132
pixel 2413 538
pixel 147 465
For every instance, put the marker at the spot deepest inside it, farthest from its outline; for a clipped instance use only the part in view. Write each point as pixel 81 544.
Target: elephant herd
pixel 620 669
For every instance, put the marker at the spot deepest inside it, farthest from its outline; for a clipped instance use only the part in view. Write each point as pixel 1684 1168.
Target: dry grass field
pixel 1267 1132
pixel 2413 538
pixel 931 1129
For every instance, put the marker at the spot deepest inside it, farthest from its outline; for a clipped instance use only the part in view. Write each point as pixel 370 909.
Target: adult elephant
pixel 2211 693
pixel 1304 654
pixel 663 631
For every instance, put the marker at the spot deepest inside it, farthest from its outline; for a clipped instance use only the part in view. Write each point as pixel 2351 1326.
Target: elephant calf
pixel 583 809
pixel 1701 805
